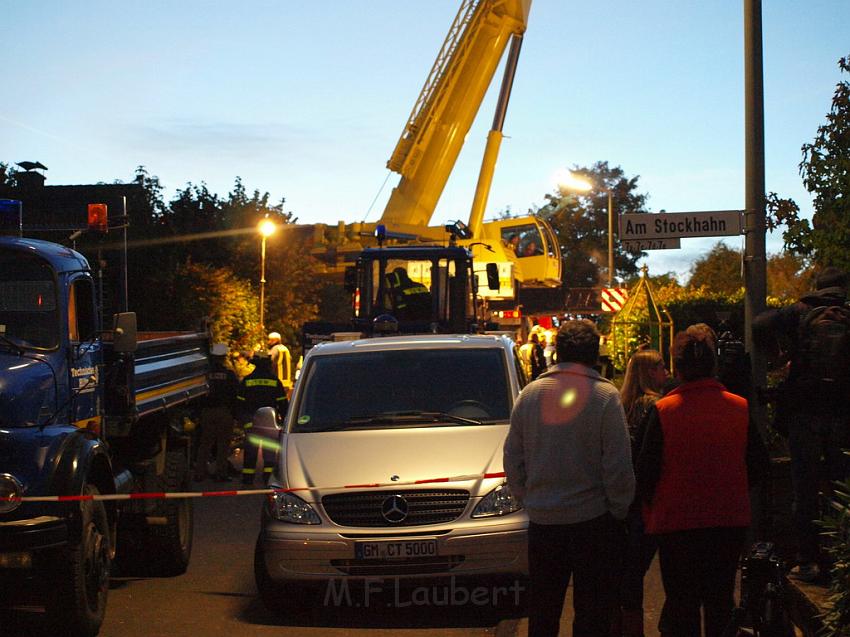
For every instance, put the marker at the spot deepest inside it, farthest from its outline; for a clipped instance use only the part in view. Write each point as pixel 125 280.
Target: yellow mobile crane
pixel 524 248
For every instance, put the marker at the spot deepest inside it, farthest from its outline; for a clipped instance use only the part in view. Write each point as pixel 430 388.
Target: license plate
pixel 395 549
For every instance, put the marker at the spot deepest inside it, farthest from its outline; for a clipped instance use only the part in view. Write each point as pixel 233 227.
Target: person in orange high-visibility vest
pixel 260 388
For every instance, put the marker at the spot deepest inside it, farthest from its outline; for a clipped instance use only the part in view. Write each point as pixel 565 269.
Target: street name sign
pixel 651 244
pixel 672 225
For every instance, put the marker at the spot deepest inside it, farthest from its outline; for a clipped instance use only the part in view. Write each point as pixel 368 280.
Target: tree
pixel 212 242
pixel 293 288
pixel 826 174
pixel 6 174
pixel 789 276
pixel 719 270
pixel 825 170
pixel 200 291
pixel 581 223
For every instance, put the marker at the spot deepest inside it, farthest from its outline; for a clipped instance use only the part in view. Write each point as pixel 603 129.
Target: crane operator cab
pixel 533 243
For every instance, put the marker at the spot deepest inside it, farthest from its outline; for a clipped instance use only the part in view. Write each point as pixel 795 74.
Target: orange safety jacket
pixel 703 479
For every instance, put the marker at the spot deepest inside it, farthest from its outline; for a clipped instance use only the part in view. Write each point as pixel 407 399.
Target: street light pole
pixel 610 239
pixel 263 284
pixel 266 228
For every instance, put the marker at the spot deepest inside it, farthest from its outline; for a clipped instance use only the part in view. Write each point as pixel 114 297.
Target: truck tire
pixel 76 602
pixel 157 541
pixel 170 544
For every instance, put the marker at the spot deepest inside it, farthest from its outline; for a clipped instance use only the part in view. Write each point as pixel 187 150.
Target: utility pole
pixel 755 275
pixel 755 271
pixel 610 239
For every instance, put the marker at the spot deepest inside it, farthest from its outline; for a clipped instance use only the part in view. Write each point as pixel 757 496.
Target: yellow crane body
pixel 524 248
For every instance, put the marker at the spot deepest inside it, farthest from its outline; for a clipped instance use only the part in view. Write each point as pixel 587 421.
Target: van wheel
pixel 271 593
pixel 77 602
pixel 278 597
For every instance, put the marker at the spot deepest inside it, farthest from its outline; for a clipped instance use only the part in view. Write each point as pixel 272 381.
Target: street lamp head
pixel 267 227
pixel 568 180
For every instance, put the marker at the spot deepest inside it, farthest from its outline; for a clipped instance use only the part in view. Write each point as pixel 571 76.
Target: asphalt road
pixel 217 597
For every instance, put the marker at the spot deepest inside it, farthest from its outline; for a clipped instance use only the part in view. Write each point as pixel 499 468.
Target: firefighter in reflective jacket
pixel 281 360
pixel 260 388
pixel 410 300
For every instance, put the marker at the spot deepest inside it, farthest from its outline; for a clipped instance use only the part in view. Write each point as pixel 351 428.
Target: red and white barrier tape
pixel 215 494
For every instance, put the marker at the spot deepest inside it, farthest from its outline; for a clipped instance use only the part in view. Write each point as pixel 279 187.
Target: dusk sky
pixel 306 100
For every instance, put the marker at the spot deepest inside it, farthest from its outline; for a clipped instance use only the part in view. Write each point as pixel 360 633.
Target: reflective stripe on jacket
pixel 260 389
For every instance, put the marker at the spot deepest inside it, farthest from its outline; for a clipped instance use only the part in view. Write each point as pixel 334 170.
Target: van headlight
pixel 286 507
pixel 498 502
pixel 10 493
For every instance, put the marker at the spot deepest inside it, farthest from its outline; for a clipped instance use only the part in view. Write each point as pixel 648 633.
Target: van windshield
pixel 28 314
pixel 371 390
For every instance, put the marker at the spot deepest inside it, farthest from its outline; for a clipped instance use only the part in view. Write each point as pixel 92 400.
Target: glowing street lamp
pixel 266 228
pixel 570 181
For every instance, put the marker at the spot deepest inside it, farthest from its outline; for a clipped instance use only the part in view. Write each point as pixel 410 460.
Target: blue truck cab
pixel 87 411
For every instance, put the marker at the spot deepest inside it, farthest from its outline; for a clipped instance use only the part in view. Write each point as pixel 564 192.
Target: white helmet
pixel 274 336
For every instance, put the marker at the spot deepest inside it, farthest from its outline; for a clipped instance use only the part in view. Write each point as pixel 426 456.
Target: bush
pixel 836 528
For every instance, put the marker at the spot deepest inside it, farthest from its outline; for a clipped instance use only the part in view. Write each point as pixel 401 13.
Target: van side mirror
pixel 124 334
pixel 350 283
pixel 493 276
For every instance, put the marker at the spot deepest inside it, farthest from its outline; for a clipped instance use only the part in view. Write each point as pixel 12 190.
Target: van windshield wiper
pixel 393 417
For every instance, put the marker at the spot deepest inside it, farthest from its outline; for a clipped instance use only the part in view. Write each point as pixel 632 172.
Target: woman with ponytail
pixel 643 383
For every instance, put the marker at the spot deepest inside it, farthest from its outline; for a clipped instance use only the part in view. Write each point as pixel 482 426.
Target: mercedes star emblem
pixel 394 509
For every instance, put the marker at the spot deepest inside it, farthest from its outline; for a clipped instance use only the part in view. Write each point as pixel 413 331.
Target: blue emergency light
pixel 11 217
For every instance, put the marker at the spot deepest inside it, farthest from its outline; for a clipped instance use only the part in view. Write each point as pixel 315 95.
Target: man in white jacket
pixel 568 459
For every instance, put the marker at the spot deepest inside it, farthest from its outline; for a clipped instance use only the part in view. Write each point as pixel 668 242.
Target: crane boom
pixel 525 249
pixel 443 114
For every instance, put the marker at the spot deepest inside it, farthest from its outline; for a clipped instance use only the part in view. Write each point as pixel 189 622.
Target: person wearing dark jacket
pixel 410 300
pixel 700 455
pixel 216 419
pixel 812 413
pixel 260 388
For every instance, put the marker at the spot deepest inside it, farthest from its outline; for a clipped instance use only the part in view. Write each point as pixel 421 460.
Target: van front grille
pixel 373 508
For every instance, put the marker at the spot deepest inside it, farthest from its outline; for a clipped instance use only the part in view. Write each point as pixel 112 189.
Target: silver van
pixel 391 466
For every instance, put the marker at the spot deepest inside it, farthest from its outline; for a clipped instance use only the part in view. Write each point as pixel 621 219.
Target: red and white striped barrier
pixel 216 494
pixel 613 299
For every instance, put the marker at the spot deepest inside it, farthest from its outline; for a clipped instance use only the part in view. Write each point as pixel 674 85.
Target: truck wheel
pixel 77 602
pixel 170 544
